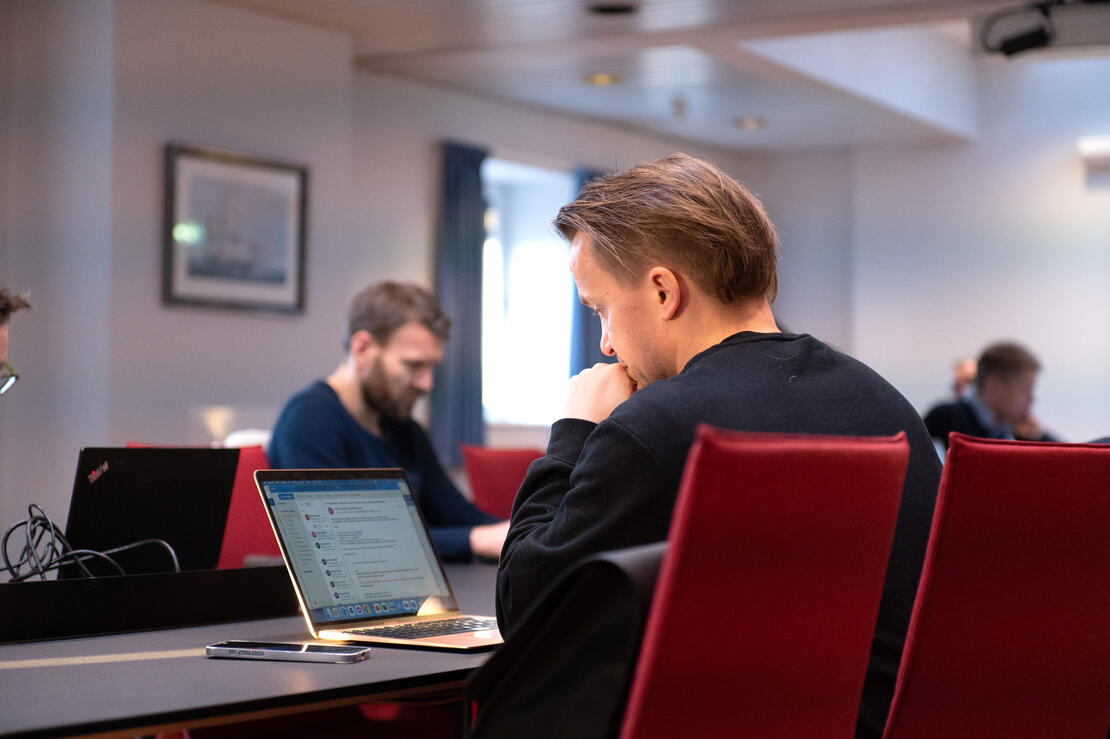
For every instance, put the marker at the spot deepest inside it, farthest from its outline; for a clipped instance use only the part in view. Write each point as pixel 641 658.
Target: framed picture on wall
pixel 234 230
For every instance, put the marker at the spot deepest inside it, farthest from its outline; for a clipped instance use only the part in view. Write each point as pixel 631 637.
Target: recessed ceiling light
pixel 602 79
pixel 750 122
pixel 613 8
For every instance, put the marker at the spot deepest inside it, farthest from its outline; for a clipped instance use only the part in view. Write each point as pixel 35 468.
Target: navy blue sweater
pixel 314 430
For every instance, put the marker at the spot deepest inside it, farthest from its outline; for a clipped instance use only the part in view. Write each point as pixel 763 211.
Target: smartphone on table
pixel 291 651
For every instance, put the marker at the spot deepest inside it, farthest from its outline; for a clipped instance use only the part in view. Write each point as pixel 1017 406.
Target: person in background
pixel 361 414
pixel 679 263
pixel 1001 404
pixel 9 303
pixel 963 377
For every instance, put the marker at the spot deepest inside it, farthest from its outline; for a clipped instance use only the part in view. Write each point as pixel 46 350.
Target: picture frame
pixel 234 230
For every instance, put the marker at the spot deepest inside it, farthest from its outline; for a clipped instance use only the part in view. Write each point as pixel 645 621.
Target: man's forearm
pixel 540 494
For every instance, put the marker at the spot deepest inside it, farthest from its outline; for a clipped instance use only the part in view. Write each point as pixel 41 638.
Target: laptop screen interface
pixel 358 548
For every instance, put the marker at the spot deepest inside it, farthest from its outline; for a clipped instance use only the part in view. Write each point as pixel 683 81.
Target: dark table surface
pixel 156 679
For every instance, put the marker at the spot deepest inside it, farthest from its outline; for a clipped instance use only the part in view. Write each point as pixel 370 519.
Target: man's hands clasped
pixel 594 392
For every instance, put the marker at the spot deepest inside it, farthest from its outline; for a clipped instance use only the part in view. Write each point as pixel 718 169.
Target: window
pixel 527 294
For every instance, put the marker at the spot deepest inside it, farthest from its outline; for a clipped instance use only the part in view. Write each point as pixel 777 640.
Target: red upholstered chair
pixel 248 538
pixel 495 475
pixel 1010 633
pixel 767 598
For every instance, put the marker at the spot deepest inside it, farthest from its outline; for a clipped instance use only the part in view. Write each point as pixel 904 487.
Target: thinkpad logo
pixel 95 474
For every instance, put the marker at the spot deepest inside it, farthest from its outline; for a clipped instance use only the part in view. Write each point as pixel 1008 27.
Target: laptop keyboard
pixel 430 628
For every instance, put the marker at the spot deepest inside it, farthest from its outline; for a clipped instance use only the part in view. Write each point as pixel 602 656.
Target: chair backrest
pixel 767 598
pixel 248 537
pixel 495 475
pixel 1010 633
pixel 560 674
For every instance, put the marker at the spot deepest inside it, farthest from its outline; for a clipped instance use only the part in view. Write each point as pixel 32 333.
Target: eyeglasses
pixel 7 378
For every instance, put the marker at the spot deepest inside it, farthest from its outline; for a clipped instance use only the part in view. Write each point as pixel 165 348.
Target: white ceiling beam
pixel 918 72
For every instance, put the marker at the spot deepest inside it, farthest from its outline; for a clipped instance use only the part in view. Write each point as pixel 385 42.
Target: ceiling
pixel 740 74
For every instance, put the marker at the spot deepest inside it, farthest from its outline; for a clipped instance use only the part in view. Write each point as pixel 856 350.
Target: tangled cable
pixel 46 549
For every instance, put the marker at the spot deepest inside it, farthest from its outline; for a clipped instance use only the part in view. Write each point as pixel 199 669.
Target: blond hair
pixel 682 213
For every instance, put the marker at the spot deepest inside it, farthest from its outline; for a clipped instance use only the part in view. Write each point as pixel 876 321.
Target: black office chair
pixel 585 631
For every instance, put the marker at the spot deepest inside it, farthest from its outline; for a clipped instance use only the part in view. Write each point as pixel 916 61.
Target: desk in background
pixel 152 681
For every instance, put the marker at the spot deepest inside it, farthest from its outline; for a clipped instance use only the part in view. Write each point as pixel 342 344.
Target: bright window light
pixel 1094 149
pixel 527 295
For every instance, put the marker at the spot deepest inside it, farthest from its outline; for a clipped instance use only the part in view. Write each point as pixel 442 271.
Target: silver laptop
pixel 362 562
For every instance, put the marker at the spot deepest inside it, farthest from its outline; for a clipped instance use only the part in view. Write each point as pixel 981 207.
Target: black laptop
pixel 122 496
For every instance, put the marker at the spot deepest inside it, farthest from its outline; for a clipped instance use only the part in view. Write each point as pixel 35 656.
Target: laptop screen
pixel 356 543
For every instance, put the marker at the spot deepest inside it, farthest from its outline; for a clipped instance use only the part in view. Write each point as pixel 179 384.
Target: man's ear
pixel 669 295
pixel 360 343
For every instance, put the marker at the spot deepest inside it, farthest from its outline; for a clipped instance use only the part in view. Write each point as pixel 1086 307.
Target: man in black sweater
pixel 678 261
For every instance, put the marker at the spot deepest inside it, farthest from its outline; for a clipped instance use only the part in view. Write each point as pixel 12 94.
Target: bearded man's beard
pixel 376 393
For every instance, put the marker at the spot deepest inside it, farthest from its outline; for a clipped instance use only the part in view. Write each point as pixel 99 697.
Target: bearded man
pixel 361 414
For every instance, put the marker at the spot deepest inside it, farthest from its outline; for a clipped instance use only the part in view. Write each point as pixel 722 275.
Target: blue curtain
pixel 456 401
pixel 585 328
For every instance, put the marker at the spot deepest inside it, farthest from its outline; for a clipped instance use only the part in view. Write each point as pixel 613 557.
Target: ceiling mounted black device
pixel 1050 23
pixel 1011 31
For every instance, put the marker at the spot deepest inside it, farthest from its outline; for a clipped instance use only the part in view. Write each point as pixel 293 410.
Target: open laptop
pixel 362 562
pixel 122 496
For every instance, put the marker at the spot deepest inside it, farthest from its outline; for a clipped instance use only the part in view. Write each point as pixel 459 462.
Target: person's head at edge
pixel 1005 380
pixel 394 340
pixel 673 256
pixel 9 303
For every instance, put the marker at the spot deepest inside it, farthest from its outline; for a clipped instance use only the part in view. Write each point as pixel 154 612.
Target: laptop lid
pixel 126 495
pixel 360 554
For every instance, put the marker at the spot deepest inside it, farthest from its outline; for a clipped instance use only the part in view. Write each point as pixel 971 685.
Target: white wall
pixel 959 246
pixel 96 91
pixel 56 131
pixel 809 198
pixel 206 74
